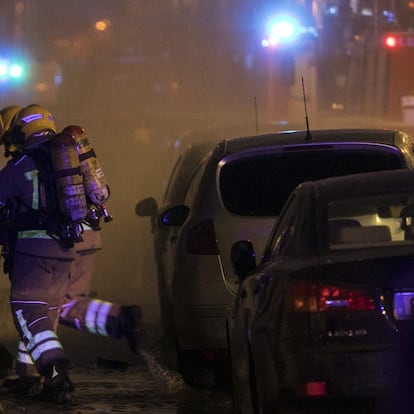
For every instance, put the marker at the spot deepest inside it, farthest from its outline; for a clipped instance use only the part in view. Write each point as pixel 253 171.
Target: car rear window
pixel 383 220
pixel 259 185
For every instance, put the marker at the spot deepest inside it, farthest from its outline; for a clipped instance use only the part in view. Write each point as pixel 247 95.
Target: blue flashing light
pixel 3 70
pixel 15 71
pixel 332 10
pixel 284 30
pixel 280 29
pixel 58 78
pixel 11 70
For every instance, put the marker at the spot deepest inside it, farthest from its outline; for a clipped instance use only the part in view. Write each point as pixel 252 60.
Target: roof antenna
pixel 308 134
pixel 255 114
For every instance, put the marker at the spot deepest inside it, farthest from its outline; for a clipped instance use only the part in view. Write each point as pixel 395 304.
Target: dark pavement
pixel 109 378
pixel 132 389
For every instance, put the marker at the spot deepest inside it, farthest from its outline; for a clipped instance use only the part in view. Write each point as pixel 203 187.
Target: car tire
pixel 195 372
pixel 201 372
pixel 207 369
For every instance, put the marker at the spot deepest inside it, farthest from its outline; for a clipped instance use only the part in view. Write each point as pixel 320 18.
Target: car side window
pixel 173 178
pixel 194 183
pixel 282 242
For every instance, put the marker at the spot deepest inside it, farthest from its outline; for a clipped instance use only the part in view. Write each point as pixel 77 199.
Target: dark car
pixel 231 189
pixel 326 310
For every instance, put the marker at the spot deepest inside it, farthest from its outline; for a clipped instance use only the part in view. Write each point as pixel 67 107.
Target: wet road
pixel 149 389
pixel 135 390
pixel 145 386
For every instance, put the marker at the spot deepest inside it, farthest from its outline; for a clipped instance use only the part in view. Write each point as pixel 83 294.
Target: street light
pixel 102 25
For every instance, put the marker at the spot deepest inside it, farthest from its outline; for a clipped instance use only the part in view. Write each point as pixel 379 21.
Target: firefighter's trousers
pixel 38 288
pixel 78 310
pixel 83 312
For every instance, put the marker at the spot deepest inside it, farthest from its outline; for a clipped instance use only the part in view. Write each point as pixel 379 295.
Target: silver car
pixel 234 190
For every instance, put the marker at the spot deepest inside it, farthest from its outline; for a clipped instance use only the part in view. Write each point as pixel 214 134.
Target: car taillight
pixel 201 239
pixel 307 296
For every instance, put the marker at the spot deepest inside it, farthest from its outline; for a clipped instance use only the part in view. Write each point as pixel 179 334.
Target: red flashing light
pixel 398 40
pixel 391 41
pixel 410 5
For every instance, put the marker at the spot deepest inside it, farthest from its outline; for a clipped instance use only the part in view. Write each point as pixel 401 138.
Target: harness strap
pixel 39 234
pixel 33 234
pixel 86 155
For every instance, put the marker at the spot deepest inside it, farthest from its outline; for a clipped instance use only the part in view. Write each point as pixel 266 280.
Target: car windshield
pixel 259 185
pixel 371 222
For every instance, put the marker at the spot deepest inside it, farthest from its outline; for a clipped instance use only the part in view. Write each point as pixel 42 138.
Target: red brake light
pixel 306 296
pixel 315 388
pixel 201 239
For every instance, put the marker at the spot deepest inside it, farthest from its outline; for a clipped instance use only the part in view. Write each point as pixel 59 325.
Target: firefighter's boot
pixel 133 330
pixel 57 386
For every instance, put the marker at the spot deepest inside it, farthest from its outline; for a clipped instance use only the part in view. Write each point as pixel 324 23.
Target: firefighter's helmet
pixel 32 126
pixel 7 115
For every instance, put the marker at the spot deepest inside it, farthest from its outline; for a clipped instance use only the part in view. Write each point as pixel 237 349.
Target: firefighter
pixel 7 114
pixel 6 117
pixel 49 278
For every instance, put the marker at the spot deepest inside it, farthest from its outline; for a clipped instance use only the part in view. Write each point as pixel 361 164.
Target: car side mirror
pixel 175 216
pixel 243 258
pixel 146 208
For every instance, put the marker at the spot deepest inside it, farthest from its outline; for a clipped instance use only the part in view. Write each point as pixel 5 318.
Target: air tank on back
pixel 96 187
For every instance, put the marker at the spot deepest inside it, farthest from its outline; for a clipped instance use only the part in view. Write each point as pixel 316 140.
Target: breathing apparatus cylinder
pixel 69 180
pixel 96 187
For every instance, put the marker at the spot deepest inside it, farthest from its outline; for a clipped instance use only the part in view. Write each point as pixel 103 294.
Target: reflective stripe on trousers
pixel 42 342
pixel 96 317
pixel 23 355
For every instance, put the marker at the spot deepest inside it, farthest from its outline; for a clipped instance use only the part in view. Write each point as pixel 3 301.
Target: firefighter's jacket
pixel 19 185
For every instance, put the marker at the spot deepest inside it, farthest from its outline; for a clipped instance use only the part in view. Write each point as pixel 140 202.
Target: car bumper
pixel 345 374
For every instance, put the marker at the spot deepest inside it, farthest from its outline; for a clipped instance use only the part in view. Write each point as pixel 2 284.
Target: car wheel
pixel 194 370
pixel 205 369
